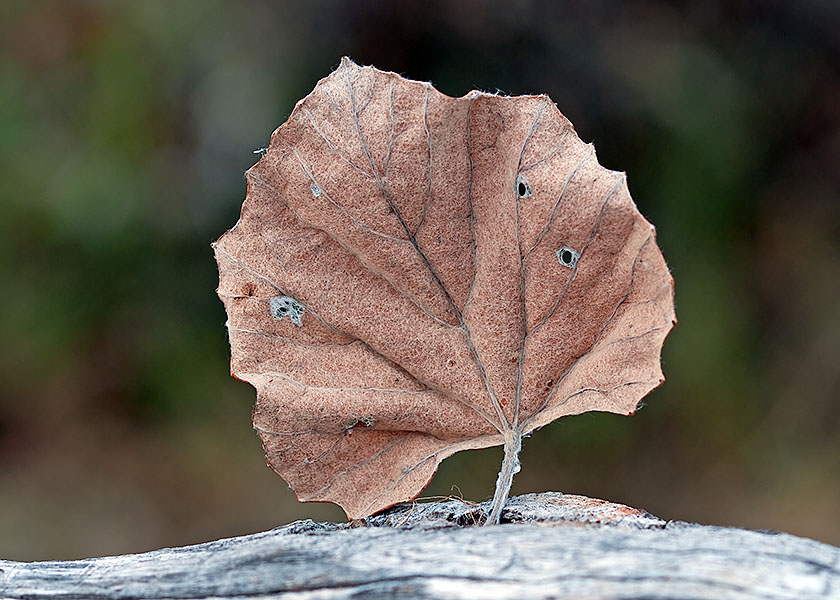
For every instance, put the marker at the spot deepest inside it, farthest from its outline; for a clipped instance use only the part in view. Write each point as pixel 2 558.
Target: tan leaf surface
pixel 413 275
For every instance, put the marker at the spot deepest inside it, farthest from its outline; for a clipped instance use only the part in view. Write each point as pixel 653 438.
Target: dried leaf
pixel 414 275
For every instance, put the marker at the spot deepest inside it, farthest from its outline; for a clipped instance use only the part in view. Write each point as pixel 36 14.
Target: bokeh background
pixel 125 129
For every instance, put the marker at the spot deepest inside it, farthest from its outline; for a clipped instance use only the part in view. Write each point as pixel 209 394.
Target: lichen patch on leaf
pixel 284 306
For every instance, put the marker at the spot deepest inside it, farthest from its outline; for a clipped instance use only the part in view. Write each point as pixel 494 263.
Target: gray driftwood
pixel 552 546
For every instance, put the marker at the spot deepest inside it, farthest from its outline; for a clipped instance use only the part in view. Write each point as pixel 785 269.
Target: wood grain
pixel 550 545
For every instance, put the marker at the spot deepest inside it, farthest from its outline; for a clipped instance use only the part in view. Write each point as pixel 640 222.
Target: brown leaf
pixel 413 275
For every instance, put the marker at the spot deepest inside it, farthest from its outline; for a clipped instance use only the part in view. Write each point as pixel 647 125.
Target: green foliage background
pixel 125 129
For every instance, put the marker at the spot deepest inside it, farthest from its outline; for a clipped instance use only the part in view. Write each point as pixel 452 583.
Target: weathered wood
pixel 552 546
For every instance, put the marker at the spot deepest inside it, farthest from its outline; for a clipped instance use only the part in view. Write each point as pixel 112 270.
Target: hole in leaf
pixel 522 189
pixel 568 257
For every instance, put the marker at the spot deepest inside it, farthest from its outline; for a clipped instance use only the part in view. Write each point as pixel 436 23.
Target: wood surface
pixel 550 545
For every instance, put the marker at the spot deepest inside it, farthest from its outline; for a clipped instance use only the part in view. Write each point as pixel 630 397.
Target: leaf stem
pixel 510 467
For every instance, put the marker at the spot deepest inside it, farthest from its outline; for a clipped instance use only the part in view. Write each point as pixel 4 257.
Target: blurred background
pixel 125 129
